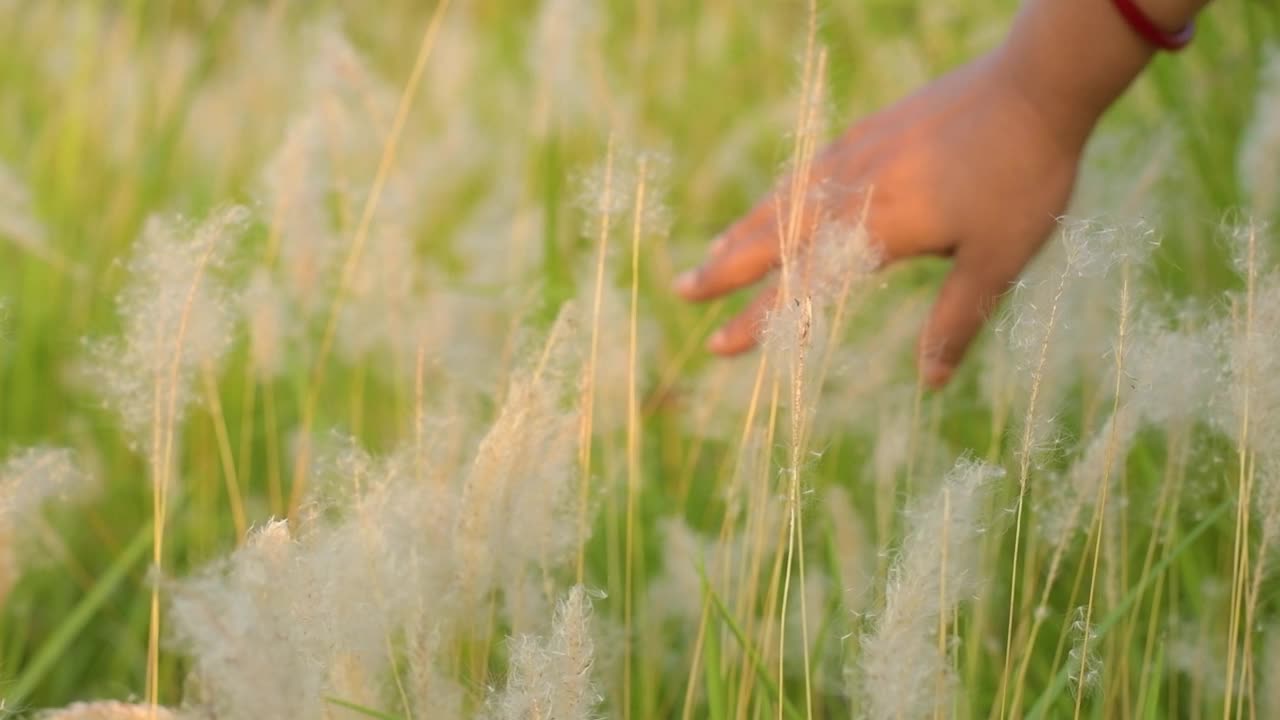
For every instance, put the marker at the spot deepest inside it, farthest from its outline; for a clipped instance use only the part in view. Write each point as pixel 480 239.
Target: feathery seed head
pixel 607 193
pixel 294 185
pixel 1084 664
pixel 838 259
pixel 18 222
pixel 901 664
pixel 551 678
pixel 788 329
pixel 177 315
pixel 1253 366
pixel 1249 243
pixel 270 324
pixel 515 511
pixel 565 45
pixel 29 479
pixel 1259 150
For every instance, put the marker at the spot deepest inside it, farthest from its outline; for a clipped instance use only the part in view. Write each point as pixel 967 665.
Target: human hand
pixel 970 167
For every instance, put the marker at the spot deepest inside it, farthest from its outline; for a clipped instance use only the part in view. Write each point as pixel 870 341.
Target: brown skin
pixel 976 166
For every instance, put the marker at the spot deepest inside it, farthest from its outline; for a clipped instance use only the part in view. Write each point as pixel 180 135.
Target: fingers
pixel 968 296
pixel 746 252
pixel 743 332
pixel 751 247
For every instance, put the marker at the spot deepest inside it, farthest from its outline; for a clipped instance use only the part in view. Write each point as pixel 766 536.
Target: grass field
pixel 340 377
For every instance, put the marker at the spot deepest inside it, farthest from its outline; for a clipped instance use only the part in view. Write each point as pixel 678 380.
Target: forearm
pixel 1074 58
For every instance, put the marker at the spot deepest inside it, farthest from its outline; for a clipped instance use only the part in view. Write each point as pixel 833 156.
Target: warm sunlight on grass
pixel 340 377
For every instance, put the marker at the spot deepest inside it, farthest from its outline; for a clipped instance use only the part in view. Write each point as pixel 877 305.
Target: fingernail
pixel 716 343
pixel 936 373
pixel 719 245
pixel 686 281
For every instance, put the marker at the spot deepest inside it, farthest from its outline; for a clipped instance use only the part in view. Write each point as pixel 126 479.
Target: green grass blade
pixel 716 692
pixel 1152 709
pixel 741 637
pixel 65 634
pixel 367 712
pixel 1063 677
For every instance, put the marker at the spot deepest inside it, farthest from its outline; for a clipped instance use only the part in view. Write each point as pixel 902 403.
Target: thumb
pixel 969 295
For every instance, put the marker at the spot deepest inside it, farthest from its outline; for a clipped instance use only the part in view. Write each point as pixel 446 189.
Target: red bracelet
pixel 1143 25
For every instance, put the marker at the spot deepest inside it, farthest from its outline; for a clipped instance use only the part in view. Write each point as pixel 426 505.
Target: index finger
pixel 749 249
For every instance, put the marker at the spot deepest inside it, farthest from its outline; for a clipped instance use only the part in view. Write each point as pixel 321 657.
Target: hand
pixel 969 167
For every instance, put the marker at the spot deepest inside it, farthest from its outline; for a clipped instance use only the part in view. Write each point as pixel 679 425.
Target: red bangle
pixel 1143 25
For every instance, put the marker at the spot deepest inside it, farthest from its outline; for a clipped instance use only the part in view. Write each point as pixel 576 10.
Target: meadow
pixel 341 377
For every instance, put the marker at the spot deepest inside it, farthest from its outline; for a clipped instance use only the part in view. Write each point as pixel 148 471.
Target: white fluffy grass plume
pixel 1258 162
pixel 270 323
pixel 904 673
pixel 416 548
pixel 177 316
pixel 550 678
pixel 1168 381
pixel 18 223
pixel 29 479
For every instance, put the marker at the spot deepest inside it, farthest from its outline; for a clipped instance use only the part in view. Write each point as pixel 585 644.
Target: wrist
pixel 1072 60
pixel 1171 15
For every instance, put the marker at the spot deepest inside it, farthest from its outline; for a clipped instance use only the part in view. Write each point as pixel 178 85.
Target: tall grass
pixel 354 323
